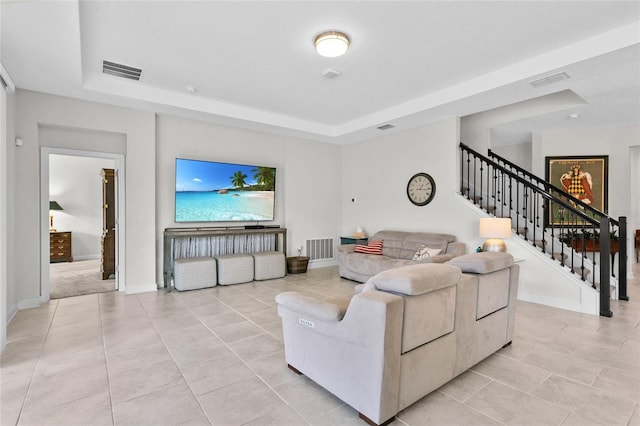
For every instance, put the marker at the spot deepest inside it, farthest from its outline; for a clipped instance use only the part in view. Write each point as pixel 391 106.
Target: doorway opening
pixel 81 204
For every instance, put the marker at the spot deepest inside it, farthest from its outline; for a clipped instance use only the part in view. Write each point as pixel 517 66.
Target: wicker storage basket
pixel 297 264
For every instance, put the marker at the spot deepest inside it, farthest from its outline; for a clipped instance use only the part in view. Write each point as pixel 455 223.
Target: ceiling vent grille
pixel 385 127
pixel 119 70
pixel 550 79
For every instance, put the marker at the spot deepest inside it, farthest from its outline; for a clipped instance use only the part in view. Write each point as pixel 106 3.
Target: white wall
pixel 36 112
pixel 75 183
pixel 519 154
pixel 376 173
pixel 307 175
pixel 615 142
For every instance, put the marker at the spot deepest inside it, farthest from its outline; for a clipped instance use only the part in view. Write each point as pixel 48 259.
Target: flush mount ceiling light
pixel 332 44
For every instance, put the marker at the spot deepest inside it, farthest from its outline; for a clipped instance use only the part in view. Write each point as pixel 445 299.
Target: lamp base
pixel 494 245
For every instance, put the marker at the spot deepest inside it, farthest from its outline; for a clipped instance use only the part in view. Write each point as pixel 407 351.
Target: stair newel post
pixel 468 175
pixel 481 199
pixel 475 173
pixel 622 258
pixel 518 184
pixel 461 170
pixel 605 272
pixel 525 212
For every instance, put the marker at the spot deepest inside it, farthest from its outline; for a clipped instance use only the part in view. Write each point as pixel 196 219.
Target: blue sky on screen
pixel 195 175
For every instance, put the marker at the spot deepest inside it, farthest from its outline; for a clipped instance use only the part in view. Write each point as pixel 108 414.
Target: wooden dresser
pixel 108 249
pixel 60 247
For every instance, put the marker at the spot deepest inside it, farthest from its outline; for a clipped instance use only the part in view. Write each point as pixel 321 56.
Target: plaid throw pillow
pixel 374 247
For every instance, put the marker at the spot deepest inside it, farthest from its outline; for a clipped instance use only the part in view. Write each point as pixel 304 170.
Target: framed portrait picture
pixel 583 177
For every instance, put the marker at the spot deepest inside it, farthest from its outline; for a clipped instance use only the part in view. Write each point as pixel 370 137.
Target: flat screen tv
pixel 208 191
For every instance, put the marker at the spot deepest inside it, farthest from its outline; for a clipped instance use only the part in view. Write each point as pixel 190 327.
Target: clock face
pixel 421 189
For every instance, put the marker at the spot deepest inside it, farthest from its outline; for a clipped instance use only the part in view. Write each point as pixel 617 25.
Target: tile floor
pixel 215 356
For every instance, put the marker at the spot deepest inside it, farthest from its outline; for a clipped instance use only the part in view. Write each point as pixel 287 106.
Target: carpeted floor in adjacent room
pixel 78 278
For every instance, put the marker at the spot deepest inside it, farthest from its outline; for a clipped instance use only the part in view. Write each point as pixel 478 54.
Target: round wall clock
pixel 421 189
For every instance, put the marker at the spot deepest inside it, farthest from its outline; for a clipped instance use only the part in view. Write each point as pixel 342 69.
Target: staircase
pixel 578 237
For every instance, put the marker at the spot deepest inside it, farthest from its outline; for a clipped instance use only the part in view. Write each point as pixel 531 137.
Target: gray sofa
pixel 398 249
pixel 409 331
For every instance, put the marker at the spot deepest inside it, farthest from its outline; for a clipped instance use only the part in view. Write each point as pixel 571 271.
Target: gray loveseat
pixel 398 249
pixel 409 331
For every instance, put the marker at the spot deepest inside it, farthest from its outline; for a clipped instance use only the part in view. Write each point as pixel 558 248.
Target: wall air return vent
pixel 550 79
pixel 385 127
pixel 119 70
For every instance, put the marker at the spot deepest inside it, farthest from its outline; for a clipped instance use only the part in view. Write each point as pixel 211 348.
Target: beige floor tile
pixel 238 331
pixel 216 373
pixel 576 419
pixel 124 339
pixel 251 307
pixel 280 415
pixel 438 409
pixel 513 407
pixel 133 383
pixel 56 362
pixel 465 385
pixel 518 349
pixel 274 329
pixel 610 409
pixel 221 319
pixel 624 383
pixel 273 369
pixel 179 321
pixel 82 382
pixel 240 402
pixel 264 316
pixel 173 405
pixel 615 358
pixel 514 373
pixel 198 333
pixel 256 347
pixel 94 410
pixel 565 365
pixel 13 393
pixel 635 418
pixel 128 359
pixel 307 398
pixel 580 336
pixel 199 352
pixel 344 416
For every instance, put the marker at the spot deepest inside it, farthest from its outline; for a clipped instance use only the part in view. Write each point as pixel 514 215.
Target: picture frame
pixel 590 184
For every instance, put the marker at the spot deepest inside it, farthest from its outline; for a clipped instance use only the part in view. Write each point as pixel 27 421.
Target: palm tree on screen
pixel 265 176
pixel 237 180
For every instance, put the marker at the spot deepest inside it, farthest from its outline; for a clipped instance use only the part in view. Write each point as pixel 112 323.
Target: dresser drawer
pixel 60 247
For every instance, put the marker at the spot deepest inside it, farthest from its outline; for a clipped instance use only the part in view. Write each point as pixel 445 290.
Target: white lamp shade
pixel 495 227
pixel 332 44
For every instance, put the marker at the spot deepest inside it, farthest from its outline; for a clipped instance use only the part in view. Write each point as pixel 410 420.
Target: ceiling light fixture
pixel 332 44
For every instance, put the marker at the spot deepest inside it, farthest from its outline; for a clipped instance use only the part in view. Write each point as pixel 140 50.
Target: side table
pixel 353 240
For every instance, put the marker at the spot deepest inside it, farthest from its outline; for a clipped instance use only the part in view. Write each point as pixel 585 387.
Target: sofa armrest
pixel 310 306
pixel 456 249
pixel 347 248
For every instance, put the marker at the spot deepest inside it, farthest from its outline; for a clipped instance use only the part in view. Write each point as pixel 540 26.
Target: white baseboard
pixel 321 263
pixel 557 303
pixel 134 289
pixel 11 312
pixel 28 303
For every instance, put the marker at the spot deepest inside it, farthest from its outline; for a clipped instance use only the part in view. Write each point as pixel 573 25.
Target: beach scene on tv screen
pixel 213 192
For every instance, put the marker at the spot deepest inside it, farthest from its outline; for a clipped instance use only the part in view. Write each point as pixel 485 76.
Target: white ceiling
pixel 254 66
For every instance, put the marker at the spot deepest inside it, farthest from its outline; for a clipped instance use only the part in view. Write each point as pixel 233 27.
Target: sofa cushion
pixel 403 245
pixel 312 306
pixel 425 252
pixel 482 263
pixel 371 264
pixel 373 247
pixel 417 279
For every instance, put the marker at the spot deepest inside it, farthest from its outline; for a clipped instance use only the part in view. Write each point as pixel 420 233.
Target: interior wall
pixel 75 183
pixel 376 173
pixel 612 141
pixel 634 182
pixel 308 176
pixel 36 111
pixel 519 154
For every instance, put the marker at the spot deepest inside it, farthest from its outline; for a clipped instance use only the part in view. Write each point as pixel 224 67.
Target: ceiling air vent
pixel 120 70
pixel 550 79
pixel 385 127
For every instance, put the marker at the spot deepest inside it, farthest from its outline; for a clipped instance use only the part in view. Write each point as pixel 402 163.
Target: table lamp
pixel 53 205
pixel 495 228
